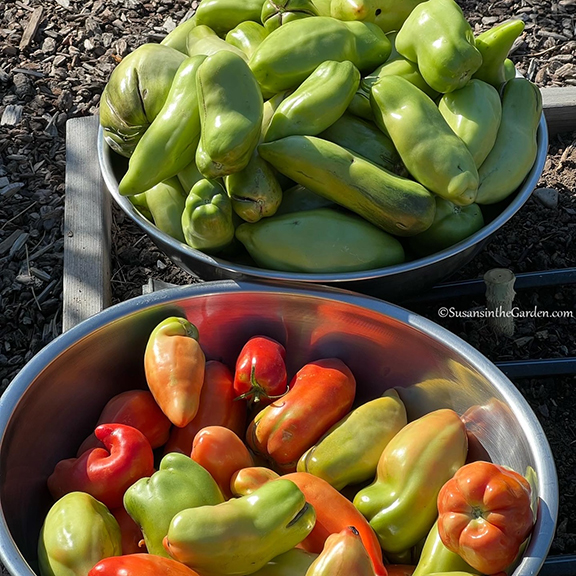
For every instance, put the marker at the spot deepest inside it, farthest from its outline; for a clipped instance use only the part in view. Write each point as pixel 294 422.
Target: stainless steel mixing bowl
pixel 393 283
pixel 54 402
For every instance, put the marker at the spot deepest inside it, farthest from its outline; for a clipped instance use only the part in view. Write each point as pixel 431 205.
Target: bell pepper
pixel 484 515
pixel 221 453
pixel 295 562
pixel 412 469
pixel 135 94
pixel 223 15
pixel 452 224
pixel 78 532
pixel 140 565
pixel 132 539
pixel 136 408
pixel 333 514
pixel 438 38
pixel 275 13
pixel 217 407
pixel 516 145
pixel 177 39
pixel 349 452
pixel 178 484
pixel 189 176
pixel 300 199
pixel 207 218
pixel 321 393
pixel 231 109
pixel 166 202
pixel 202 40
pixel 105 473
pixel 174 366
pixel 248 480
pixel 494 45
pixel 431 152
pixel 323 7
pixel 247 36
pixel 242 535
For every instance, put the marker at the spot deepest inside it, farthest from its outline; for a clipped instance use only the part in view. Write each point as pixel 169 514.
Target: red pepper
pixel 261 370
pixel 132 539
pixel 140 565
pixel 217 408
pixel 136 408
pixel 107 473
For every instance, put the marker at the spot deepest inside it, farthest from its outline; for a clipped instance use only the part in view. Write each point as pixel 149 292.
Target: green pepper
pixel 275 13
pixel 431 152
pixel 292 52
pixel 242 535
pixel 319 241
pixel 360 105
pixel 509 69
pixel 136 93
pixel 439 39
pixel 180 483
pixel 494 45
pixel 317 103
pixel 207 218
pixel 300 199
pixel 323 7
pixel 169 144
pixel 231 111
pixel 178 38
pixel 451 225
pixel 247 36
pixel 77 533
pixel 202 40
pixel 474 113
pixel 516 145
pixel 166 204
pixel 140 203
pixel 295 562
pixel 189 176
pixel 224 15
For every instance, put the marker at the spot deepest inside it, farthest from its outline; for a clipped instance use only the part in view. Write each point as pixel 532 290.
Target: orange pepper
pixel 132 539
pixel 248 480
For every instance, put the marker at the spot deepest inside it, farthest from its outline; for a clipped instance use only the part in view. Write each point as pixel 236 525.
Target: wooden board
pixel 560 108
pixel 87 219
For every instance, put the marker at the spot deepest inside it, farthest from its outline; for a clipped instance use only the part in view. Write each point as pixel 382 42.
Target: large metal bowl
pixel 54 402
pixel 393 283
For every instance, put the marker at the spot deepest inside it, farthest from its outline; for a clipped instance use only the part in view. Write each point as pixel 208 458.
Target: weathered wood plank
pixel 560 108
pixel 31 28
pixel 87 217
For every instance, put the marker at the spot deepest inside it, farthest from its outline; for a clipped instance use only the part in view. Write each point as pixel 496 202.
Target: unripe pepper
pixel 189 176
pixel 248 480
pixel 360 105
pixel 202 40
pixel 299 199
pixel 140 565
pixel 295 562
pixel 223 15
pixel 78 532
pixel 247 36
pixel 166 202
pixel 174 366
pixel 105 473
pixel 275 13
pixel 177 39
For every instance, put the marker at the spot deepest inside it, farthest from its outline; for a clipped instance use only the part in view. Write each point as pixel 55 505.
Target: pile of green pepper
pixel 322 136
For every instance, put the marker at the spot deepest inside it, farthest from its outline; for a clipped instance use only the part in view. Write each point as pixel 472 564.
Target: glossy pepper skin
pixel 430 150
pixel 275 13
pixel 166 202
pixel 484 515
pixel 132 540
pixel 178 484
pixel 136 408
pixel 452 224
pixel 177 39
pixel 231 109
pixel 174 366
pixel 321 393
pixel 516 145
pixel 396 205
pixel 140 565
pixel 240 536
pixel 360 105
pixel 247 36
pixel 189 176
pixel 295 562
pixel 77 532
pixel 317 103
pixel 412 469
pixel 438 38
pixel 202 40
pixel 349 452
pixel 248 480
pixel 300 199
pixel 105 473
pixel 136 93
pixel 169 144
pixel 217 407
pixel 293 51
pixel 333 514
pixel 223 15
pixel 207 218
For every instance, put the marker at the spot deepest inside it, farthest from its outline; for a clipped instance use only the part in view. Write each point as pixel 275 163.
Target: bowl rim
pixel 544 529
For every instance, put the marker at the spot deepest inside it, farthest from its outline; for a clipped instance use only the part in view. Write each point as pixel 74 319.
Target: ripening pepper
pixel 430 150
pixel 78 532
pixel 105 473
pixel 166 202
pixel 231 109
pixel 132 539
pixel 484 515
pixel 240 536
pixel 275 13
pixel 412 469
pixel 202 40
pixel 207 221
pixel 248 480
pixel 317 103
pixel 174 366
pixel 177 39
pixel 223 15
pixel 136 408
pixel 140 565
pixel 349 452
pixel 169 144
pixel 300 199
pixel 247 36
pixel 135 94
pixel 438 38
pixel 178 484
pixel 516 145
pixel 217 407
pixel 295 562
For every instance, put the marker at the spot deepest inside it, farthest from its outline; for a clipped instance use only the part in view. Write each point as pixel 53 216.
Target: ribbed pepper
pixel 247 36
pixel 223 15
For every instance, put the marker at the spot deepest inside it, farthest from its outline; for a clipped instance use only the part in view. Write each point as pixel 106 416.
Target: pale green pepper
pixel 247 36
pixel 178 38
pixel 140 203
pixel 360 105
pixel 224 15
pixel 275 13
pixel 202 40
pixel 166 203
pixel 300 199
pixel 189 176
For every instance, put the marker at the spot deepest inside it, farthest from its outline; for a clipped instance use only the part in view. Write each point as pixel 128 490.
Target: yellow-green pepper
pixel 242 535
pixel 439 39
pixel 247 36
pixel 139 201
pixel 178 38
pixel 360 105
pixel 202 40
pixel 275 13
pixel 300 199
pixel 166 203
pixel 223 15
pixel 77 533
pixel 295 562
pixel 189 176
